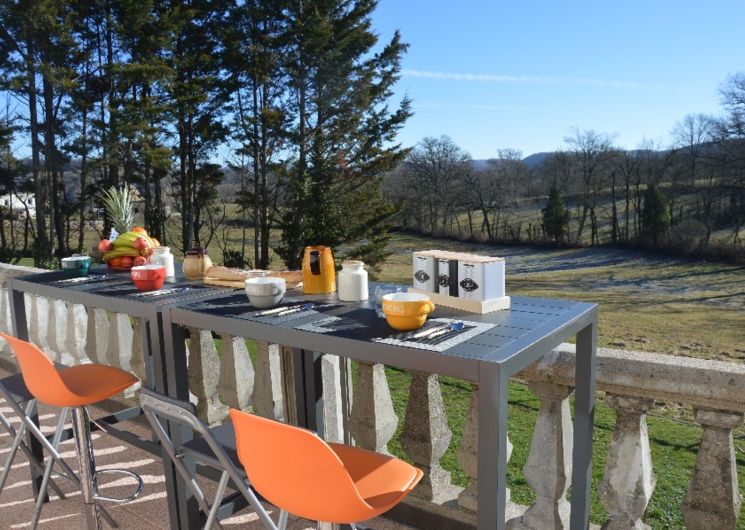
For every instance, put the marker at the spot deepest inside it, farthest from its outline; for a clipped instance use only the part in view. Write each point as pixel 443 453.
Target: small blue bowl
pixel 76 266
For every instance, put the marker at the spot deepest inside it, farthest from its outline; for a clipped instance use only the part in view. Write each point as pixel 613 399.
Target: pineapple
pixel 118 204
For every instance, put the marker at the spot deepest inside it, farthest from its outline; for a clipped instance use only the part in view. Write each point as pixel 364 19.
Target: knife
pixel 430 331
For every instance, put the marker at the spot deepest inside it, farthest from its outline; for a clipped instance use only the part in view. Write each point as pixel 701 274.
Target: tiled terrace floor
pixel 148 511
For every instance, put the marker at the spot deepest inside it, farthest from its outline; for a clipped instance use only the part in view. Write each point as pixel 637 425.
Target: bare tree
pixel 592 152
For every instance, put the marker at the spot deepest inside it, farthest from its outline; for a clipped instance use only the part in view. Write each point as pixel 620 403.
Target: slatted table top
pixel 109 290
pixel 352 329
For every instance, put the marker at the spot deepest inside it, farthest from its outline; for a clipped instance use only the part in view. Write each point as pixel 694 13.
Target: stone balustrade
pixel 223 374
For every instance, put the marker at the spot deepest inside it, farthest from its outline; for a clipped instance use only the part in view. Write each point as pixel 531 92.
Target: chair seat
pixel 91 383
pixel 380 480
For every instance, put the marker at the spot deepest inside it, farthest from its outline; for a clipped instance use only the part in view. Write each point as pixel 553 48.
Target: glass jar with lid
pixel 163 256
pixel 196 262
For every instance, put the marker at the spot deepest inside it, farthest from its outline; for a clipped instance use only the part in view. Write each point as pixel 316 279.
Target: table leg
pixel 584 411
pixel 492 448
pixel 20 330
pixel 169 361
pixel 309 391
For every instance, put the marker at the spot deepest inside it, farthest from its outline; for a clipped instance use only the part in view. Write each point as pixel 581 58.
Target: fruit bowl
pixel 148 277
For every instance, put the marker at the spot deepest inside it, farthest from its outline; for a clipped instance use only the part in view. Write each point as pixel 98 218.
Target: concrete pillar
pixel 267 395
pixel 628 481
pixel 426 436
pixel 204 369
pixel 236 381
pixel 373 421
pixel 549 467
pixel 713 499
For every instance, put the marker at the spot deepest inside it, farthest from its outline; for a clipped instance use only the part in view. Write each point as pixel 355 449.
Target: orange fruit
pixel 116 262
pixel 139 230
pixel 126 261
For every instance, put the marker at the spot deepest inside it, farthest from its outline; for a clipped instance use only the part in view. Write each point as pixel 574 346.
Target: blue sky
pixel 494 73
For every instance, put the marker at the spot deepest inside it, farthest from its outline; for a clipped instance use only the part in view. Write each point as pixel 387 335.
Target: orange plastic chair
pixel 333 483
pixel 74 387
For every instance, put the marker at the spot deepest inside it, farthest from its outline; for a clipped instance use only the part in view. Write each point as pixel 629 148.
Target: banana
pixel 126 239
pixel 121 252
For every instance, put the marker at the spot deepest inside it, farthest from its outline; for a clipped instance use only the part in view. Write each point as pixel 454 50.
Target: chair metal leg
pixel 86 461
pixel 328 526
pixel 212 516
pixel 48 470
pixel 18 443
pixel 283 519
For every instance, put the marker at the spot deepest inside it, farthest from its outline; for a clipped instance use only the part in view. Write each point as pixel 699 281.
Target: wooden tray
pixel 472 306
pixel 239 284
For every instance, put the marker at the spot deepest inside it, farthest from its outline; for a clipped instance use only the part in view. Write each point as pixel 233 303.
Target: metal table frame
pixel 489 360
pixel 151 312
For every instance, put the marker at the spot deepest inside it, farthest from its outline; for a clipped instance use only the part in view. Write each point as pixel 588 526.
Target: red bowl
pixel 149 277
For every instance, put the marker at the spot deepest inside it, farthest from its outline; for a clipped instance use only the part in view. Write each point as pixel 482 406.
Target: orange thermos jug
pixel 319 274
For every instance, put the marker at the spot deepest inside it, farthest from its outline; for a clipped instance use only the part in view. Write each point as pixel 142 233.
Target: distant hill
pixel 536 159
pixel 532 161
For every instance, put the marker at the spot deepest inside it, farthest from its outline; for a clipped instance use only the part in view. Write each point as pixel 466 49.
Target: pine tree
pixel 555 216
pixel 655 214
pixel 343 129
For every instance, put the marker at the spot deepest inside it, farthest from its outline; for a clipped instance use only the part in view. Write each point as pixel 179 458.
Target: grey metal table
pixel 115 292
pixel 519 337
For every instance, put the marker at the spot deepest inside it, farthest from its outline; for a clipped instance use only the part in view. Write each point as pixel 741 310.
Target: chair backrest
pixel 295 470
pixel 39 373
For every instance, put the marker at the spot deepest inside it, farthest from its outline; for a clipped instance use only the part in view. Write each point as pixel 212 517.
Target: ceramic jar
pixel 196 263
pixel 163 256
pixel 352 281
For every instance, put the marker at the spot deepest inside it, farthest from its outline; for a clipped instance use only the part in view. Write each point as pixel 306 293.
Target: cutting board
pixel 239 284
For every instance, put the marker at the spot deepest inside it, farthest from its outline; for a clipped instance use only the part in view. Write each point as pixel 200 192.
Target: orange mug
pixel 319 272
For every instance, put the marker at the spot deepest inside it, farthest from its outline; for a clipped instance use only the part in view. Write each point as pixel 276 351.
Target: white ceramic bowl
pixel 265 291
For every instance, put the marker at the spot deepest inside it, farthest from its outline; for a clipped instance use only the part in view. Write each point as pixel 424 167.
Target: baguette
pixel 218 272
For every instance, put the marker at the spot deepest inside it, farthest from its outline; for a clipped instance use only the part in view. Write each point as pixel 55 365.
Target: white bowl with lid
pixel 265 291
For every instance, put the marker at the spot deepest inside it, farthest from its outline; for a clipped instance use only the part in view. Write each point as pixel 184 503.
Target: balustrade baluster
pixel 137 361
pixel 628 481
pixel 5 319
pixel 75 332
pixel 333 410
pixel 237 375
pixel 549 467
pixel 267 396
pixel 426 436
pixel 97 335
pixel 37 323
pixel 713 499
pixel 372 421
pixel 204 372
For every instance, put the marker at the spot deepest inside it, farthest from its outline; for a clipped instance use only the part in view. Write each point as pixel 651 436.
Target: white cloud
pixel 474 106
pixel 527 80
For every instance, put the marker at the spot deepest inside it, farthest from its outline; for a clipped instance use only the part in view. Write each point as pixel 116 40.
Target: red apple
pixel 139 260
pixel 105 245
pixel 140 243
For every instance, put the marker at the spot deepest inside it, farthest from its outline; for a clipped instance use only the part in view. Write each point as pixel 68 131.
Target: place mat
pixel 91 278
pixel 229 305
pixel 364 324
pixel 441 342
pixel 128 290
pixel 289 309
